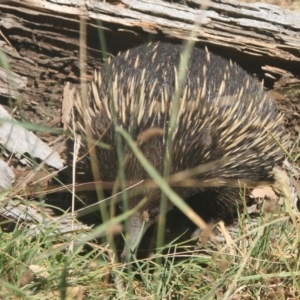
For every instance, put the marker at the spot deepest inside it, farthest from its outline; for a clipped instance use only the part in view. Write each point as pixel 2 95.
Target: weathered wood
pixel 15 138
pixel 39 220
pixel 7 177
pixel 43 36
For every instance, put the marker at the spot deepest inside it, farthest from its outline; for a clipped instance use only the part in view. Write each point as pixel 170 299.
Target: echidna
pixel 223 113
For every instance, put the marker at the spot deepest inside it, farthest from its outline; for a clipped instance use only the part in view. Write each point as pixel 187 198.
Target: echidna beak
pixel 136 231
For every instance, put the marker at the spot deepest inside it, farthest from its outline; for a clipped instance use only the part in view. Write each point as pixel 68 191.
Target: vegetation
pixel 261 262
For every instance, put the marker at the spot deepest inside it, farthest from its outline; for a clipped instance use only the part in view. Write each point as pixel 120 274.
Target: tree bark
pixel 40 39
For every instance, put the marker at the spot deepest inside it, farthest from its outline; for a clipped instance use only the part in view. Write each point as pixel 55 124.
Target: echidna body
pixel 223 113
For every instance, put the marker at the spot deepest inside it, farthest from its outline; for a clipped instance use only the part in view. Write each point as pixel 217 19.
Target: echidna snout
pixel 223 113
